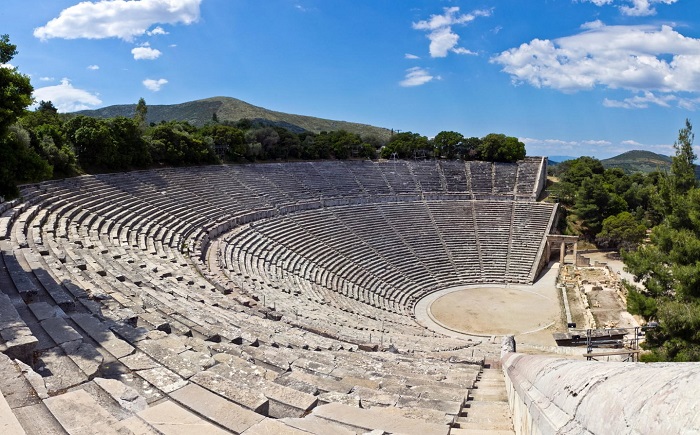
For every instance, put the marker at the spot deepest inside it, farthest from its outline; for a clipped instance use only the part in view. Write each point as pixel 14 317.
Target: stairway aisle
pixel 486 411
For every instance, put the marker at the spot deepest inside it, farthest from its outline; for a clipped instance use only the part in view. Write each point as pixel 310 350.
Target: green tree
pixel 407 145
pixel 469 148
pixel 448 144
pixel 15 87
pixel 131 148
pixel 683 163
pixel 176 144
pixel 93 143
pixel 227 140
pixel 501 148
pixel 594 203
pixel 18 161
pixel 622 230
pixel 669 265
pixel 141 113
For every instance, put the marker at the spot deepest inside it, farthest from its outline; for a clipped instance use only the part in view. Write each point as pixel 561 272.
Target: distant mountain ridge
pixel 200 112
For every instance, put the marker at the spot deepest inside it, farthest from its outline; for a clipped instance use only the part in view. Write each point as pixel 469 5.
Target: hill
pixel 639 161
pixel 231 109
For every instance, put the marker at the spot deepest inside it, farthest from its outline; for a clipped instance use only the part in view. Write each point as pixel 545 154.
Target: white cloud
pixel 642 101
pixel 593 25
pixel 122 19
pixel 599 2
pixel 66 98
pixel 93 67
pixel 654 61
pixel 154 85
pixel 417 76
pixel 439 27
pixel 46 79
pixel 633 8
pixel 411 56
pixel 7 65
pixel 157 31
pixel 145 53
pixel 641 8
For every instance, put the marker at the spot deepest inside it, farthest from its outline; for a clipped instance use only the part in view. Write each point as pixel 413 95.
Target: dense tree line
pixel 450 145
pixel 606 206
pixel 616 209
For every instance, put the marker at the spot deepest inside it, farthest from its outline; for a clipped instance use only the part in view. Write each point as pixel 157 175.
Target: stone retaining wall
pixel 564 396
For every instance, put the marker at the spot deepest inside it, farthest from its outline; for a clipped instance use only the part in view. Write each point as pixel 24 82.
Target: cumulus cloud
pixel 633 8
pixel 145 52
pixel 417 76
pixel 122 19
pixel 67 98
pixel 46 79
pixel 643 59
pixel 154 85
pixel 93 67
pixel 443 39
pixel 157 31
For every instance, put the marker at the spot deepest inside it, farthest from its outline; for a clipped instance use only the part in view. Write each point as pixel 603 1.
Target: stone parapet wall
pixel 563 396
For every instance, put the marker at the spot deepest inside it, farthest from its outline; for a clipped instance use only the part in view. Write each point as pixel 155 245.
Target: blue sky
pixel 568 77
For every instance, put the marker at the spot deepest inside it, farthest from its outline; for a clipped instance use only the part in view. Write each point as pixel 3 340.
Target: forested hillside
pixel 232 110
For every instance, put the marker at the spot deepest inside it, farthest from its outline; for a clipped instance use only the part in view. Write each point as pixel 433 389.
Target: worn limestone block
pixel 172 419
pixel 163 379
pixel 127 397
pixel 80 414
pixel 60 331
pixel 226 413
pixel 85 356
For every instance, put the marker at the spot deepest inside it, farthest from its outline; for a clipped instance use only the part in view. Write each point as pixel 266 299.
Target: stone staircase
pixel 486 411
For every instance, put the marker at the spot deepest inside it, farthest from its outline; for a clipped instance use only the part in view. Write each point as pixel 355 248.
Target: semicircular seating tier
pixel 258 285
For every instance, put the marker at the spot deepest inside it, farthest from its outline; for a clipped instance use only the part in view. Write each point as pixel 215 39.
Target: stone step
pixel 458 431
pixel 16 339
pixel 488 394
pixel 485 422
pixel 491 374
pixel 216 408
pixel 270 426
pixel 317 426
pixel 9 425
pixel 170 418
pixel 366 420
pixel 473 407
pixel 79 413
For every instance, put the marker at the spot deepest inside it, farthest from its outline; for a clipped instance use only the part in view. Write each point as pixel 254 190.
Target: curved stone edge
pixel 563 396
